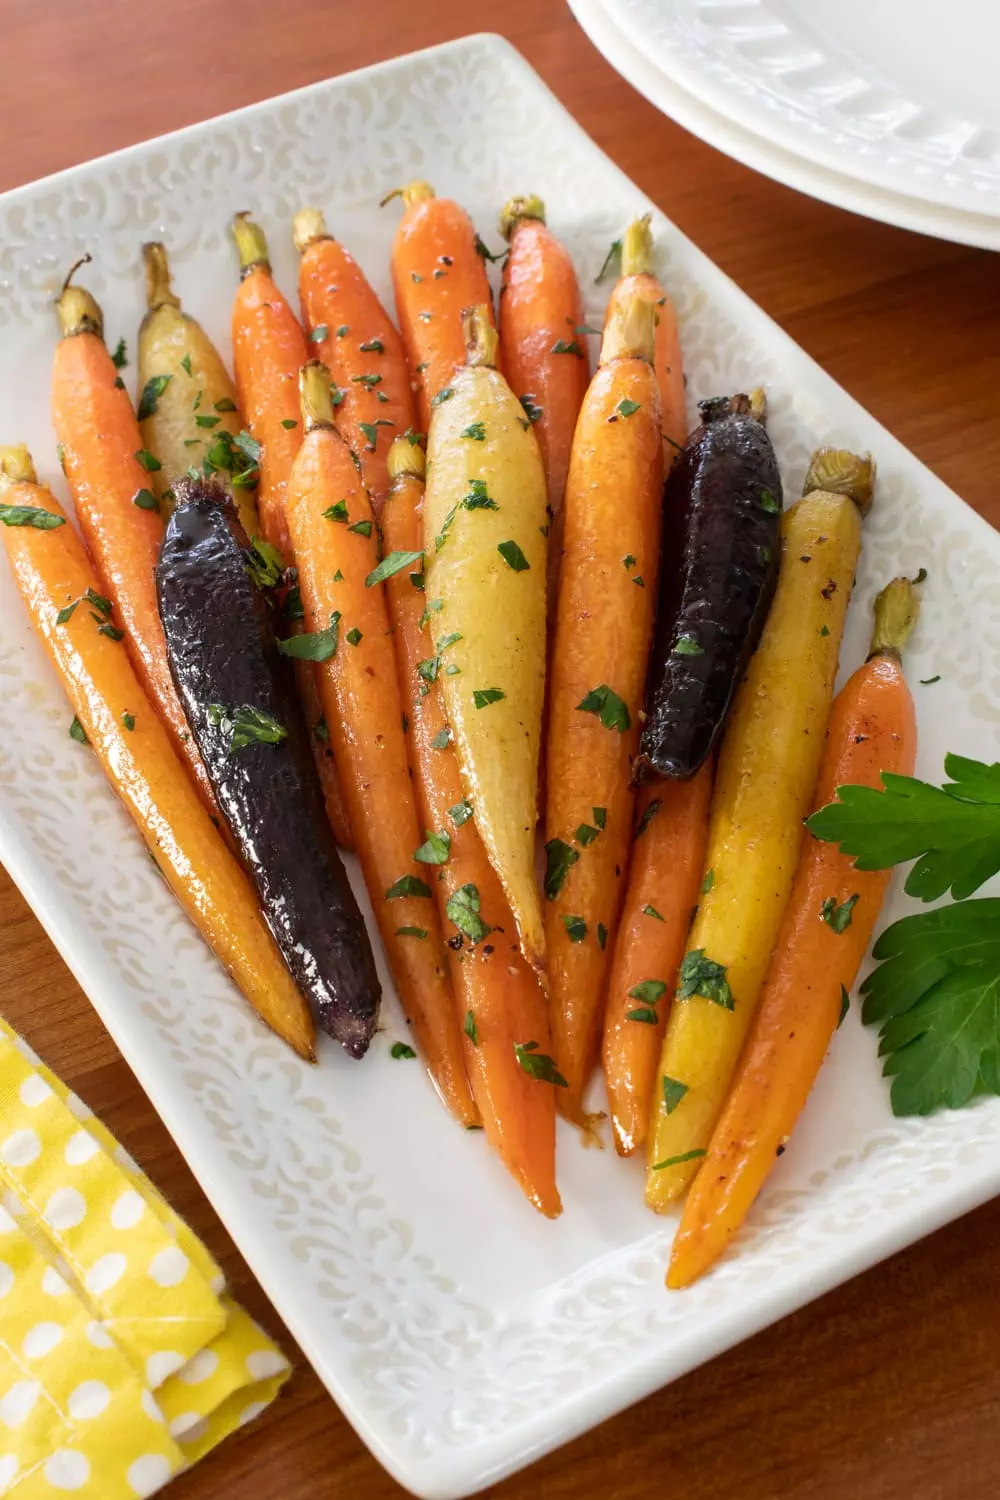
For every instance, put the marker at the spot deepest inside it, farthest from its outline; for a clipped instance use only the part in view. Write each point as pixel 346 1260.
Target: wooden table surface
pixel 889 1387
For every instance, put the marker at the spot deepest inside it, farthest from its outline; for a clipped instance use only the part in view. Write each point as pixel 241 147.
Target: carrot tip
pixel 631 333
pixel 77 310
pixel 315 396
pixel 16 466
pixel 896 610
pixel 840 472
pixel 406 457
pixel 410 192
pixel 637 248
pixel 308 225
pixel 480 336
pixel 251 242
pixel 530 206
pixel 159 292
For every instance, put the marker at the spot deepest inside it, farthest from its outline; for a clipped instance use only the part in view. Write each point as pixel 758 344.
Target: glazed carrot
pixel 58 585
pixel 437 272
pixel 639 279
pixel 604 627
pixel 269 347
pixel 351 332
pixel 825 933
pixel 500 1003
pixel 544 347
pixel 332 528
pixel 664 876
pixel 108 471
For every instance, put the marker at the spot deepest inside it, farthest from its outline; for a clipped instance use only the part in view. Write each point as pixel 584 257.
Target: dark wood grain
pixel 888 1388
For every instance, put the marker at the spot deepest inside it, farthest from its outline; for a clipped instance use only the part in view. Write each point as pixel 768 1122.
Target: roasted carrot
pixel 351 332
pixel 604 626
pixel 437 271
pixel 500 1003
pixel 109 471
pixel 765 776
pixel 826 930
pixel 543 345
pixel 665 872
pixel 639 279
pixel 333 533
pixel 59 587
pixel 187 405
pixel 269 348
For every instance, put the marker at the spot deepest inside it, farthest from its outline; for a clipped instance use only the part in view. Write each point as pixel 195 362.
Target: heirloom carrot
pixel 501 1006
pixel 825 934
pixel 437 272
pixel 269 348
pixel 543 345
pixel 665 872
pixel 187 404
pixel 604 627
pixel 333 533
pixel 109 471
pixel 63 597
pixel 639 279
pixel 351 332
pixel 765 776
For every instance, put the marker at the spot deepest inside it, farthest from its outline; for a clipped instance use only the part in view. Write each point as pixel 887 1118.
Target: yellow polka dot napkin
pixel 122 1359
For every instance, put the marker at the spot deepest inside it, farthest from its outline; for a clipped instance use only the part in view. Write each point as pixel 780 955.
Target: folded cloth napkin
pixel 122 1359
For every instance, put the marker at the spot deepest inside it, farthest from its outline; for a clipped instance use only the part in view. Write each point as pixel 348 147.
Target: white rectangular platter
pixel 461 1334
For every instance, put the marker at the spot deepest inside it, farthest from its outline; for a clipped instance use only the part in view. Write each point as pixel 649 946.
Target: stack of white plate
pixel 887 107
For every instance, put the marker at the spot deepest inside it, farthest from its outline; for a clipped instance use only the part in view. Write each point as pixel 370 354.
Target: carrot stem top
pixel 315 396
pixel 515 209
pixel 840 472
pixel 77 310
pixel 631 334
pixel 480 336
pixel 251 242
pixel 637 248
pixel 16 467
pixel 159 292
pixel 896 610
pixel 405 458
pixel 308 225
pixel 411 192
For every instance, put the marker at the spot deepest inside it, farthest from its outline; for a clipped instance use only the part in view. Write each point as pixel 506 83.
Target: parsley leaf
pixel 953 831
pixel 370 346
pixel 30 515
pixel 838 917
pixel 264 563
pixel 613 255
pixel 483 697
pixel 442 739
pixel 316 645
pixel 415 932
pixel 703 976
pixel 336 512
pixel 247 725
pixel 407 885
pixel 77 732
pixel 650 911
pixel 148 462
pixel 462 908
pixel 936 996
pixel 769 503
pixel 460 813
pixel 675 1161
pixel 470 1028
pixel 562 347
pixel 627 408
pixel 602 935
pixel 686 645
pixel 651 809
pixel 401 1049
pixel 151 393
pixel 393 562
pixel 434 850
pixel 532 411
pixel 610 709
pixel 559 860
pixel 445 394
pixel 538 1065
pixel 475 431
pixel 362 528
pixel 478 498
pixel 576 928
pixel 513 556
pixel 145 500
pixel 120 357
pixel 673 1092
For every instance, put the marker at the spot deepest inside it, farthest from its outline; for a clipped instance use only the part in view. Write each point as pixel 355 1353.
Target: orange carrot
pixel 604 625
pixel 351 332
pixel 58 585
pixel 108 471
pixel 437 272
pixel 500 1003
pixel 269 347
pixel 825 933
pixel 544 347
pixel 664 876
pixel 638 279
pixel 332 528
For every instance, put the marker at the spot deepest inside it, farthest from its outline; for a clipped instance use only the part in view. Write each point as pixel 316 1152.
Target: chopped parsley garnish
pixel 460 813
pixel 111 631
pixel 392 563
pixel 538 1065
pixel 708 882
pixel 609 708
pixel 362 528
pixel 336 512
pixel 462 908
pixel 120 356
pixel 483 697
pixel 686 645
pixel 203 421
pixel 354 636
pixel 613 255
pixel 703 976
pixel 845 1005
pixel 186 364
pixel 442 739
pixel 434 850
pixel 128 720
pixel 407 885
pixel 559 860
pixel 248 446
pixel 470 1028
pixel 321 731
pixel 602 935
pixel 151 393
pixel 673 1092
pixel 429 668
pixel 414 932
pixel 513 556
pixel 576 928
pixel 445 394
pixel 838 917
pixel 148 462
pixel 769 503
pixel 477 498
pixel 264 563
pixel 586 834
pixel 368 381
pixel 289 422
pixel 449 640
pixel 627 408
pixel 650 911
pixel 925 681
pixel 401 1049
pixel 532 411
pixel 228 404
pixel 319 333
pixel 30 515
pixel 628 561
pixel 246 725
pixel 446 526
pixel 475 431
pixel 77 732
pixel 316 645
pixel 370 346
pixel 145 500
pixel 648 992
pixel 676 1161
pixel 561 346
